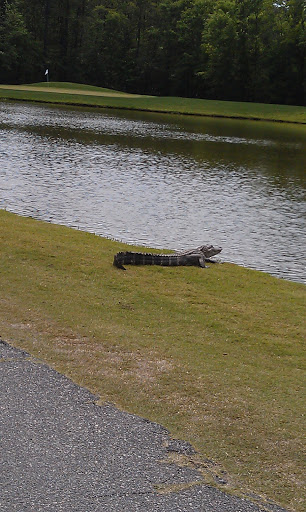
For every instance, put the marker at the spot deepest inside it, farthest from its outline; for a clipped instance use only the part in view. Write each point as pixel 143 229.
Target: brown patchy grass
pixel 214 355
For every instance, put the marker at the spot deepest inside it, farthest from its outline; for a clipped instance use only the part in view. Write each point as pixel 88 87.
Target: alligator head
pixel 209 250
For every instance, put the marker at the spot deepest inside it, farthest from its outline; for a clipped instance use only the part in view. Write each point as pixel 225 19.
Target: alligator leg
pixel 117 263
pixel 202 261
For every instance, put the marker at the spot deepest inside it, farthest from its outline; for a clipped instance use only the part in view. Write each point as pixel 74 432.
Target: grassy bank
pixel 77 94
pixel 214 355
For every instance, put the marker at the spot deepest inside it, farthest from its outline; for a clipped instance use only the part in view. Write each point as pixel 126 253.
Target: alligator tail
pixel 139 258
pixel 195 257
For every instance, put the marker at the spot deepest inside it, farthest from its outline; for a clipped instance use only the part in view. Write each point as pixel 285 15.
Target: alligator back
pixel 169 260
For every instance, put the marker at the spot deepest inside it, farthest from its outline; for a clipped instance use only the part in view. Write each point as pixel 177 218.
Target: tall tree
pixel 220 45
pixel 19 53
pixel 105 45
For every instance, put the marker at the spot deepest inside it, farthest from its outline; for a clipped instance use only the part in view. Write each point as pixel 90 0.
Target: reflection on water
pixel 162 181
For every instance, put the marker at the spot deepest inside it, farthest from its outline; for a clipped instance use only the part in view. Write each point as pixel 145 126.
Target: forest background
pixel 242 50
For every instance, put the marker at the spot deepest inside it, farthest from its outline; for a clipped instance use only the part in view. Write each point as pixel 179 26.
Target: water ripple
pixel 154 197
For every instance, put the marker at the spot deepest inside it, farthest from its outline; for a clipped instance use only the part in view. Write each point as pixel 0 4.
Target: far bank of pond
pixel 85 95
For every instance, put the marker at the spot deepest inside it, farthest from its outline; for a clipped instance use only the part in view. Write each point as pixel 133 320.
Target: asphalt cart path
pixel 61 452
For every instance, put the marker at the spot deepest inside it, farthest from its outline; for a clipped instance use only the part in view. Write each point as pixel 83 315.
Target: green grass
pixel 70 85
pixel 215 355
pixel 77 94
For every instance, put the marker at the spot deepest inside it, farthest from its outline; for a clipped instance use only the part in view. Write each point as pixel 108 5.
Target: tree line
pixel 244 50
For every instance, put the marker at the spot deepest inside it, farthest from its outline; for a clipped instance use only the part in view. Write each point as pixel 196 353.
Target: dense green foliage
pixel 244 50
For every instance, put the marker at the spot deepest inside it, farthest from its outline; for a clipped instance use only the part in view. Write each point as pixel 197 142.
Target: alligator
pixel 196 257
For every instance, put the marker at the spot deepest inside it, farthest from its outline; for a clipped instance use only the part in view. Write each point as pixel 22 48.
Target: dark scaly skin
pixel 195 257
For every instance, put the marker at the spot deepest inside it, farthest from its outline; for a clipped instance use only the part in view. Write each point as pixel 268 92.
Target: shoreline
pixel 122 101
pixel 152 111
pixel 149 248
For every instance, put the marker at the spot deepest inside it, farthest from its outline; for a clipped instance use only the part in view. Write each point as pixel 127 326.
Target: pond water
pixel 161 181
